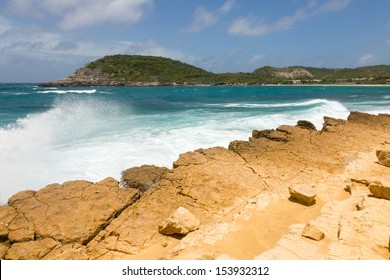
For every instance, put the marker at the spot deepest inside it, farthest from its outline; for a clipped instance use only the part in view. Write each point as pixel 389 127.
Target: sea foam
pixel 90 138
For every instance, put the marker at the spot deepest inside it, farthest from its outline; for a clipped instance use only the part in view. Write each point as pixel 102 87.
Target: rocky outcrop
pixel 180 222
pixel 306 125
pixel 34 223
pixel 239 195
pixel 378 190
pixel 294 73
pixel 142 178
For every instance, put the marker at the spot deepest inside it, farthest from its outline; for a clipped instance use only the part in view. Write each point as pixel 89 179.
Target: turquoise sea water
pixel 50 135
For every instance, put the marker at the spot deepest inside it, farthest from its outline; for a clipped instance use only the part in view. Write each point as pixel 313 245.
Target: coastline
pixel 230 191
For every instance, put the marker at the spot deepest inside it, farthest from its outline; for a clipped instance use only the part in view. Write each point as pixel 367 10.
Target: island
pixel 138 70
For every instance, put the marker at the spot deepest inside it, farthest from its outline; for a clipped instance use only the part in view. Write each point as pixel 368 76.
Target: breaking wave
pixel 58 91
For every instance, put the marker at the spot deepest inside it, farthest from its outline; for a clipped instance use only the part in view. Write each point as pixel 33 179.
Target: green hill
pixel 138 70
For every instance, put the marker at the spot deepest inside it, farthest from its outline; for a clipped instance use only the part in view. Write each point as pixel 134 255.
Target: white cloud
pixel 227 7
pixel 332 6
pixel 367 59
pixel 204 18
pixel 73 14
pixel 256 59
pixel 249 26
pixel 34 51
pixel 39 44
pixel 5 25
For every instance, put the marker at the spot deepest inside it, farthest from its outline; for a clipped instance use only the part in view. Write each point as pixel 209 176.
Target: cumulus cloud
pixel 73 14
pixel 33 50
pixel 367 59
pixel 40 44
pixel 204 18
pixel 5 25
pixel 250 26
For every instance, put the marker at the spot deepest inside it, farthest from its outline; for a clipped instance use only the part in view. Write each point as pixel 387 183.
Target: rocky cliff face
pixel 85 76
pixel 240 197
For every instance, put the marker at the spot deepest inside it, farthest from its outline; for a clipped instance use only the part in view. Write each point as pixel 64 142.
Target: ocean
pixel 52 135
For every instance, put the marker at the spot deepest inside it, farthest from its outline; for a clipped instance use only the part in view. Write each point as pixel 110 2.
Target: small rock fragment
pixel 312 232
pixel 302 194
pixel 306 125
pixel 383 157
pixel 181 222
pixel 378 190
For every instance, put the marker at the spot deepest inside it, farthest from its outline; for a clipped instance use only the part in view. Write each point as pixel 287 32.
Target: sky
pixel 44 40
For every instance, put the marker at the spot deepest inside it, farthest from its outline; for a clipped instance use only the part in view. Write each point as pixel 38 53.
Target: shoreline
pixel 229 191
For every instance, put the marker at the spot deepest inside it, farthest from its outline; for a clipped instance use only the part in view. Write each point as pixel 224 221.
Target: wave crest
pixel 58 91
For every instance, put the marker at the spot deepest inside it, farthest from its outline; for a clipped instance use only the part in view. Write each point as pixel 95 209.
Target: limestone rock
pixel 72 212
pixel 331 123
pixel 181 222
pixel 383 157
pixel 302 194
pixel 306 125
pixel 31 250
pixel 378 190
pixel 3 250
pixel 142 178
pixel 271 134
pixel 21 196
pixel 7 214
pixel 68 252
pixel 312 232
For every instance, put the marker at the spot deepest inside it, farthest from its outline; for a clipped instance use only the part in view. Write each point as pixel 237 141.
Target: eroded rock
pixel 73 212
pixel 302 194
pixel 378 190
pixel 271 134
pixel 383 157
pixel 144 177
pixel 312 232
pixel 31 250
pixel 306 125
pixel 181 222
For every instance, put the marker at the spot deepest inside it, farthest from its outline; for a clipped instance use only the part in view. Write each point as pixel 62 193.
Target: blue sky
pixel 43 40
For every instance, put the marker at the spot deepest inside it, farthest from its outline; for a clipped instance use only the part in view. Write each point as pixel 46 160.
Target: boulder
pixel 378 190
pixel 21 196
pixel 302 194
pixel 142 178
pixel 181 222
pixel 383 157
pixel 330 124
pixel 306 125
pixel 271 134
pixel 312 232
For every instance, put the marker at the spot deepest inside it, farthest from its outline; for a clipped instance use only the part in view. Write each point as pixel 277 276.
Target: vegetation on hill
pixel 152 70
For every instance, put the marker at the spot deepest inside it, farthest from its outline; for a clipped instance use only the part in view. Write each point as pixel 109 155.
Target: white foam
pixel 57 91
pixel 91 139
pixel 273 105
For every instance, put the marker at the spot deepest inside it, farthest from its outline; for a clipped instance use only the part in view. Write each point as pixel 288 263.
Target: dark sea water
pixel 50 135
